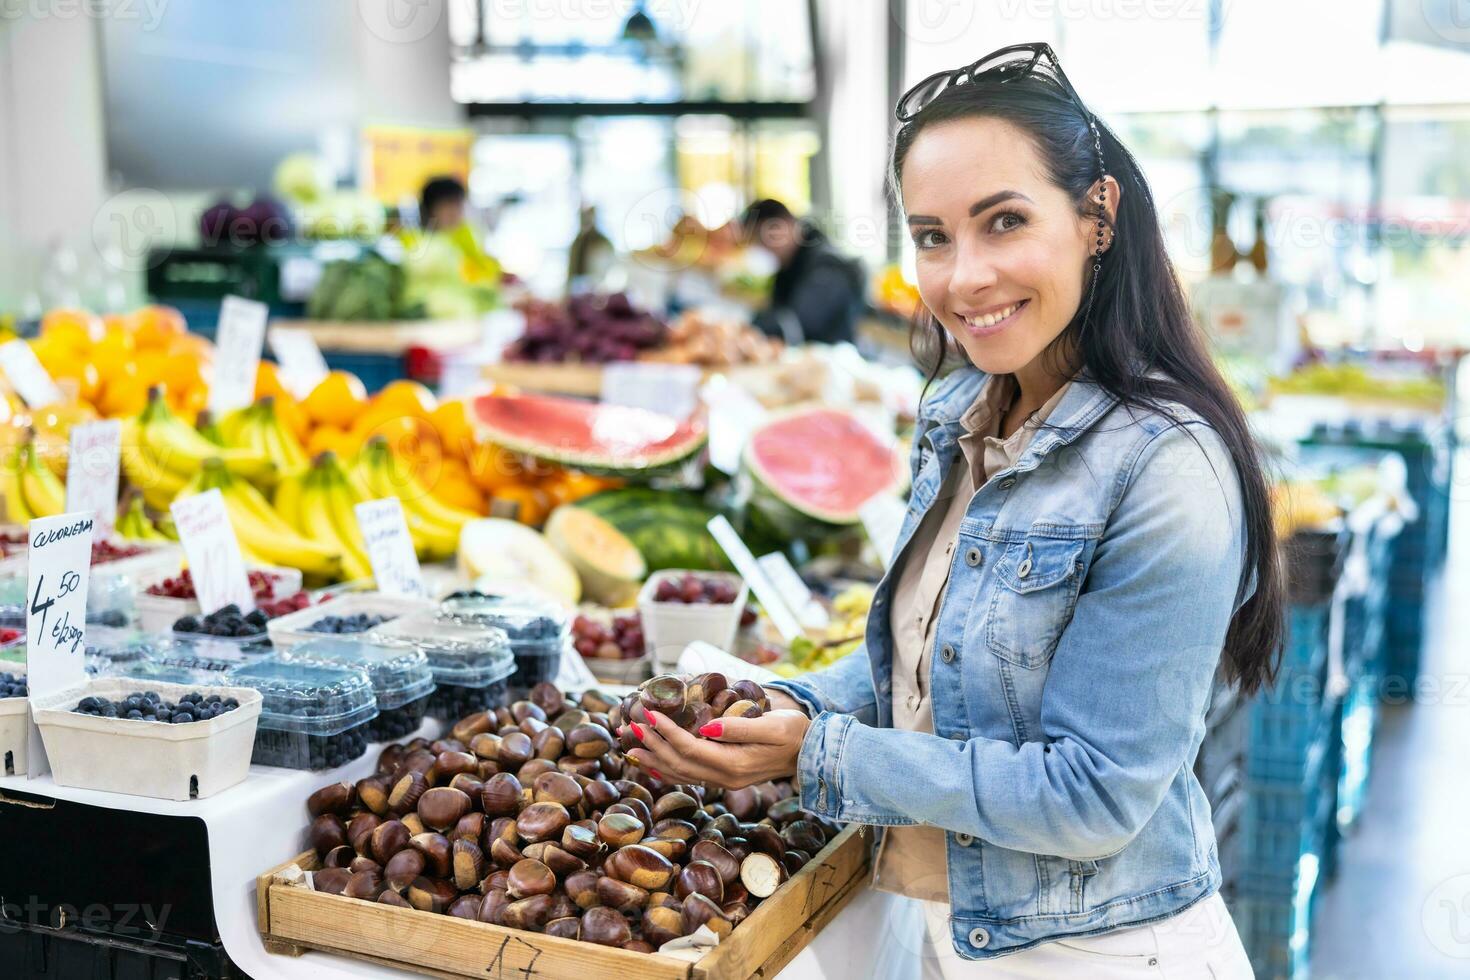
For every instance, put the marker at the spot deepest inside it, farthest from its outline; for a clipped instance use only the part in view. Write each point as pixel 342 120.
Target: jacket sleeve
pixel 1123 709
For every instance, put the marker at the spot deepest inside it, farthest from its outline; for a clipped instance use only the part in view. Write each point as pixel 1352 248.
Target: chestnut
pixel 486 745
pixel 763 838
pixel 530 877
pixel 582 888
pixel 358 864
pixel 471 826
pixel 467 728
pixel 521 710
pixel 533 727
pixel 431 895
pixel 698 715
pixel 407 792
pixel 589 741
pixel 620 829
pixel 594 700
pixel 450 764
pixel 560 861
pixel 627 788
pixel 662 924
pixel 742 709
pixel 700 911
pixel 709 852
pixel 360 830
pixel 339 857
pixel 504 853
pixel 546 696
pixel 542 821
pixel 639 809
pixel 638 946
pixel 492 907
pixel 804 835
pixel 749 690
pixel 784 811
pixel 391 897
pixel 499 878
pixel 437 851
pixel 562 906
pixel 326 832
pixel 761 874
pixel 665 693
pixel 388 839
pixel 532 768
pixel 739 847
pixel 701 878
pixel 331 881
pixel 726 823
pixel 372 793
pixel 365 885
pixel 702 687
pixel 488 768
pixel 736 912
pixel 570 719
pixel 515 749
pixel 620 895
pixel 605 927
pixel 414 823
pixel 528 913
pixel 469 784
pixel 338 798
pixel 641 866
pixel 580 841
pixel 672 827
pixel 389 758
pixel 675 806
pixel 743 804
pixel 465 907
pixel 794 860
pixel 664 899
pixel 737 893
pixel 557 787
pixel 501 796
pixel 403 868
pixel 440 808
pixel 548 743
pixel 721 701
pixel 468 864
pixel 670 847
pixel 566 927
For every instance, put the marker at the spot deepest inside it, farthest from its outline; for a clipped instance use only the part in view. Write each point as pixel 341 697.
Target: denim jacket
pixel 1076 647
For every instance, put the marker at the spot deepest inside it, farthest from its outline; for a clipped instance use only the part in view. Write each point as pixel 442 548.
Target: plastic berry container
pixel 538 630
pixel 314 715
pixel 110 649
pixel 202 651
pixel 402 680
pixel 14 724
pixel 307 625
pixel 472 664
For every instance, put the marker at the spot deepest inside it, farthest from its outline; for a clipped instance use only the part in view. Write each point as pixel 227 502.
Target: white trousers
pixel 1199 943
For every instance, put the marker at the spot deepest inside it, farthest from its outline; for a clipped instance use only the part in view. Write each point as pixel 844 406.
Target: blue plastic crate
pixel 1356 736
pixel 1276 932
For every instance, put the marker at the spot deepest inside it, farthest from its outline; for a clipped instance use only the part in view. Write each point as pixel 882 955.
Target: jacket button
pixel 964 840
pixel 1007 483
pixel 973 557
pixel 979 938
pixel 947 654
pixel 958 737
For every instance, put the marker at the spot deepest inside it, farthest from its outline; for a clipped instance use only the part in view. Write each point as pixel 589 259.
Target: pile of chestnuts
pixel 529 817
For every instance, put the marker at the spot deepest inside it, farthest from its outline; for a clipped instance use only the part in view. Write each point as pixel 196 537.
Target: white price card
pixel 734 414
pixel 390 549
pixel 213 552
pixel 58 566
pixel 302 364
pixel 882 518
pixel 573 674
pixel 669 389
pixel 766 592
pixel 91 471
pixel 785 578
pixel 237 354
pixel 27 375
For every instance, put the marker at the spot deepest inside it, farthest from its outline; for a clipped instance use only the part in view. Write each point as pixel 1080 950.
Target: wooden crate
pixel 293 919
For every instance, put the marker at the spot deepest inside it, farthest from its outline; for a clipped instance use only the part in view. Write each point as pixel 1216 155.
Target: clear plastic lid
pixel 528 620
pixel 399 674
pixel 202 651
pixel 151 670
pixel 461 654
pixel 110 648
pixel 310 698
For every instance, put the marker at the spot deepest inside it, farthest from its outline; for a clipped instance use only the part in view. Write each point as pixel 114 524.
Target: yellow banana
pixel 433 539
pixel 45 495
pixel 159 486
pixel 342 504
pixel 287 500
pixel 178 447
pixel 134 523
pixel 285 448
pixel 316 514
pixel 16 511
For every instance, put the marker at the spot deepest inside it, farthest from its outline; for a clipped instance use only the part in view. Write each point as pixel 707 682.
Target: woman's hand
pixel 735 752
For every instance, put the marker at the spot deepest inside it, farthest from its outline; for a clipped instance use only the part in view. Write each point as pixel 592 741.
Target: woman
pixel 1087 540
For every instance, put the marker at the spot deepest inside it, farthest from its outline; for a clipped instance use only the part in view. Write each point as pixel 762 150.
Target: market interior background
pixel 1309 160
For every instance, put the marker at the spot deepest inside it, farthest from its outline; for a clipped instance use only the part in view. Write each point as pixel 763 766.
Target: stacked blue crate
pixel 1291 781
pixel 1365 626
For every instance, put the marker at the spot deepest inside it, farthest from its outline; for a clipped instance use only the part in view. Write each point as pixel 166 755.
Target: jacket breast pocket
pixel 1037 581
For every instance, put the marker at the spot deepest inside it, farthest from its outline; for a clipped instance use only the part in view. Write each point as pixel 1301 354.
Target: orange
pixel 189 404
pixel 329 438
pixel 531 503
pixel 567 486
pixel 191 343
pixel 156 327
pixel 112 352
pixel 492 467
pixel 452 422
pixel 181 372
pixel 151 364
pixel 268 380
pixel 338 399
pixel 84 373
pixel 77 329
pixel 405 397
pixel 124 394
pixel 455 488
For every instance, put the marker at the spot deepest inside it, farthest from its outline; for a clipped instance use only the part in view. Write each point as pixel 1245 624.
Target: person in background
pixel 817 294
pixel 442 204
pixel 447 247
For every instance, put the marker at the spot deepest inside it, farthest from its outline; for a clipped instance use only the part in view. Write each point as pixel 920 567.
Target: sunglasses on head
pixel 1010 62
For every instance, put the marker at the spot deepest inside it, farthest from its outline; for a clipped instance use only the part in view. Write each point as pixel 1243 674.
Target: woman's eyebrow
pixel 983 204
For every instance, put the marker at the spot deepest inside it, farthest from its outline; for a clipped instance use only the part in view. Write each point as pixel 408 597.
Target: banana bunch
pixel 433 525
pixel 265 538
pixel 30 489
pixel 258 428
pixel 161 452
pixel 135 525
pixel 844 634
pixel 320 503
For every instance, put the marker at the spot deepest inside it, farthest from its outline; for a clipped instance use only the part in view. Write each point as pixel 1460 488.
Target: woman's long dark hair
pixel 1140 324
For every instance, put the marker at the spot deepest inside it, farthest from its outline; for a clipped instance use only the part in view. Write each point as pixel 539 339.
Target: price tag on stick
pixel 770 596
pixel 58 566
pixel 27 375
pixel 390 549
pixel 237 354
pixel 213 552
pixel 302 364
pixel 91 471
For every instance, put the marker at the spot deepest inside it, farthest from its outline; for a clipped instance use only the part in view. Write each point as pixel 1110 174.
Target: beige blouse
pixel 912 859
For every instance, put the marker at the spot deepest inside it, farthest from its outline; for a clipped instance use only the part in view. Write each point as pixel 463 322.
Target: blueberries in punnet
pixel 141 706
pixel 356 623
pixel 223 622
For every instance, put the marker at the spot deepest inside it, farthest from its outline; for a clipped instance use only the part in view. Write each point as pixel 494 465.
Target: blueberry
pixel 108 711
pixel 230 610
pixel 135 714
pixel 182 718
pixel 257 617
pixel 231 703
pixel 187 624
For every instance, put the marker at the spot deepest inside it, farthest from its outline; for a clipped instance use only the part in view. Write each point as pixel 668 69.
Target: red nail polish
pixel 712 730
pixel 637 731
pixel 652 721
pixel 656 774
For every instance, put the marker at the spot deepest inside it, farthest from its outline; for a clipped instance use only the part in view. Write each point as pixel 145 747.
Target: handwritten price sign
pixel 91 470
pixel 57 569
pixel 237 354
pixel 213 552
pixel 390 549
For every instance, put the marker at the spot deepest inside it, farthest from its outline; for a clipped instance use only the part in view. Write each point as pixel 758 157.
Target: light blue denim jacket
pixel 1074 656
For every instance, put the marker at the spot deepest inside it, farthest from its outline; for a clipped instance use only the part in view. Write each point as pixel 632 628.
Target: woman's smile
pixel 988 323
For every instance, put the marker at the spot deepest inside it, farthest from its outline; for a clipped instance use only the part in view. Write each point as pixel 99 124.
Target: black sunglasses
pixel 1012 61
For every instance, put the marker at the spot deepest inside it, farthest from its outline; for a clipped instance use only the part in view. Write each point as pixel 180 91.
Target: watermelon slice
pixel 612 439
pixel 819 465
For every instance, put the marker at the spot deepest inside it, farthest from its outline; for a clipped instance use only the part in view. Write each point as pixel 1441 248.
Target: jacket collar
pixel 1082 405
